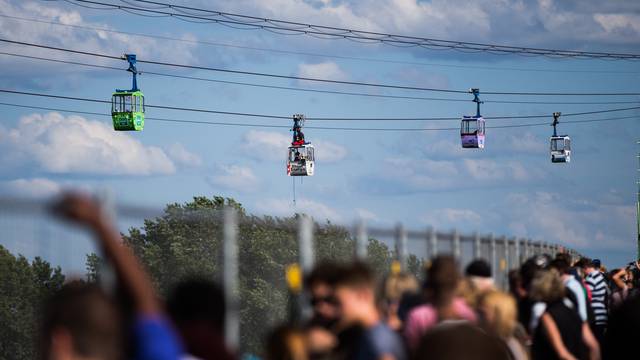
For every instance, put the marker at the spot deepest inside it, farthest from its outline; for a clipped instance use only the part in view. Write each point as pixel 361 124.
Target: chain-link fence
pixel 247 254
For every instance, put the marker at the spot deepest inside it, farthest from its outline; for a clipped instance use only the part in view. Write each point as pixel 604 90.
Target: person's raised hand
pixel 79 208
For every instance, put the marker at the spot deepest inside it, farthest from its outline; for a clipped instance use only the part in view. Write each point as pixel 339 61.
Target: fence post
pixel 456 246
pixel 433 239
pixel 507 255
pixel 540 248
pixel 516 249
pixel 305 239
pixel 492 246
pixel 477 246
pixel 361 240
pixel 230 280
pixel 401 245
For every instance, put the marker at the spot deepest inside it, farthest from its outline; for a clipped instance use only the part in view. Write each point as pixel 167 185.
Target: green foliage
pixel 23 288
pixel 187 240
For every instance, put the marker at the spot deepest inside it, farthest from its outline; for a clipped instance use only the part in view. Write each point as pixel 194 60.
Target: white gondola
pixel 301 156
pixel 559 145
pixel 301 160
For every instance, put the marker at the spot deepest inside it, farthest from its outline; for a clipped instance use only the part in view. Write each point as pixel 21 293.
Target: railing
pixel 28 229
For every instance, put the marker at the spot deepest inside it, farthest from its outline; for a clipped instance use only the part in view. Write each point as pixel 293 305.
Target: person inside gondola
pixel 298 137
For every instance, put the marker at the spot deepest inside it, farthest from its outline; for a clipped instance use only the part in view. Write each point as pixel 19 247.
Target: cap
pixel 478 267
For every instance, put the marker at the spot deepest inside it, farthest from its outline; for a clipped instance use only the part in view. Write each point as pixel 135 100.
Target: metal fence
pixel 28 229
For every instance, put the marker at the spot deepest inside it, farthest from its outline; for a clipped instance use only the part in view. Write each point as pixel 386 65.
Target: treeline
pixel 186 241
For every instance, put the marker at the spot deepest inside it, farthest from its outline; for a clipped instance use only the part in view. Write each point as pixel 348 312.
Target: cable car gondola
pixel 127 106
pixel 300 157
pixel 472 128
pixel 559 145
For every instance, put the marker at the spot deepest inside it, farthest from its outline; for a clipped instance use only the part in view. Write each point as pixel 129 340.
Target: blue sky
pixel 419 178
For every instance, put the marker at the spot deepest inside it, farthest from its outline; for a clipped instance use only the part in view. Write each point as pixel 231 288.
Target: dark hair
pixel 478 267
pixel 442 279
pixel 515 281
pixel 460 342
pixel 528 271
pixel 561 264
pixel 89 316
pixel 325 272
pixel 356 275
pixel 584 263
pixel 197 299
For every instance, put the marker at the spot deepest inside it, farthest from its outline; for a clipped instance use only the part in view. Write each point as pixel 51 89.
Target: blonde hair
pixel 397 285
pixel 504 310
pixel 469 292
pixel 547 286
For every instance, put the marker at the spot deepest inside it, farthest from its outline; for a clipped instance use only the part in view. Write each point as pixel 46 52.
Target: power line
pixel 331 32
pixel 334 92
pixel 309 127
pixel 312 54
pixel 233 113
pixel 291 77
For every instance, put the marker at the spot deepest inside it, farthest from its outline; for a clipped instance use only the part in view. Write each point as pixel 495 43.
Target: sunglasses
pixel 324 299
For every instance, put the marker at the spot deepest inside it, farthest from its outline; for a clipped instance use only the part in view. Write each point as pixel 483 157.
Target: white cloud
pixel 272 146
pixel 449 217
pixel 557 218
pixel 93 41
pixel 416 175
pixel 323 70
pixel 235 177
pixel 584 24
pixel 367 215
pixel 620 24
pixel 285 207
pixel 53 143
pixel 179 154
pixel 36 187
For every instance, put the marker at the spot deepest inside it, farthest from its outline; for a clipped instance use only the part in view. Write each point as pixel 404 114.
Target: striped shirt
pixel 599 296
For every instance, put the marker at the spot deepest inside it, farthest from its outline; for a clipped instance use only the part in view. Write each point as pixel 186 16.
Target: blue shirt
pixel 378 341
pixel 155 339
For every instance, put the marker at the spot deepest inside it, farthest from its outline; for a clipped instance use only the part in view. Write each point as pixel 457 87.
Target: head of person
pixel 586 265
pixel 597 264
pixel 442 280
pixel 547 286
pixel 561 265
pixel 479 272
pixel 355 292
pixel 516 287
pixel 197 308
pixel 395 288
pixel 460 342
pixel 199 301
pixel 81 322
pixel 397 285
pixel 286 343
pixel 320 283
pixel 499 313
pixel 530 268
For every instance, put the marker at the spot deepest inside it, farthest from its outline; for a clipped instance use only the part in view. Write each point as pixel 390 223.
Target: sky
pixel 420 178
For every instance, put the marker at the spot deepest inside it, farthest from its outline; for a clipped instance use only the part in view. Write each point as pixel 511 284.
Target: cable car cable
pixel 27 93
pixel 312 54
pixel 334 92
pixel 311 127
pixel 291 77
pixel 344 33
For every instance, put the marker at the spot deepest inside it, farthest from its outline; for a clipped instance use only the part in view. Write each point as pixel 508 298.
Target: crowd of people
pixel 555 308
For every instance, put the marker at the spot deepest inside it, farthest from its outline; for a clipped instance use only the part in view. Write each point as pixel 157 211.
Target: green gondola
pixel 127 110
pixel 127 106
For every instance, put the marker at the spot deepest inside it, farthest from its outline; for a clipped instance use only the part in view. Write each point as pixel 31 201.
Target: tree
pixel 23 288
pixel 187 240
